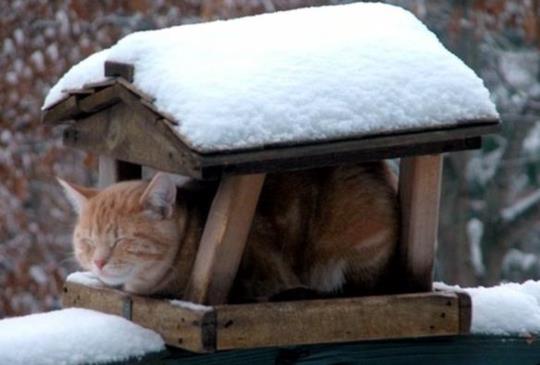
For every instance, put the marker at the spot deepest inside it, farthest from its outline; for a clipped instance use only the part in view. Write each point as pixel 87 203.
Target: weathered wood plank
pixel 337 320
pixel 101 299
pixel 125 132
pixel 465 313
pixel 224 238
pixel 280 158
pixel 188 326
pixel 419 194
pixel 119 69
pixel 138 92
pixel 99 100
pixel 61 111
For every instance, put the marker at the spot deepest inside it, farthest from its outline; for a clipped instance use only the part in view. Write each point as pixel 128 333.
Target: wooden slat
pixel 419 194
pixel 465 313
pixel 101 299
pixel 189 327
pixel 337 320
pixel 61 111
pixel 138 92
pixel 224 238
pixel 368 148
pixel 99 100
pixel 119 69
pixel 76 92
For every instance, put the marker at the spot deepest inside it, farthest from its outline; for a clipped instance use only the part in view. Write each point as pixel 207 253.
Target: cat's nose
pixel 100 263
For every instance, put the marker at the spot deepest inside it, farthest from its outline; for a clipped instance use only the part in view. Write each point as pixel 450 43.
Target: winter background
pixel 490 219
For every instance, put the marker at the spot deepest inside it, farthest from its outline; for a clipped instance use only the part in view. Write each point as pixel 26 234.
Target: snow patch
pixel 507 309
pixel 85 278
pixel 190 305
pixel 475 231
pixel 73 336
pixel 514 211
pixel 305 75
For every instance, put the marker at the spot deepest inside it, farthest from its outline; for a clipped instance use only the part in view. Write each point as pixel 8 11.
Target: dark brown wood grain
pixel 119 69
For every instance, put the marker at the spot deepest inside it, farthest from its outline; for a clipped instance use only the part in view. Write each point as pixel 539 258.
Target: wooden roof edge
pixel 469 129
pixel 369 148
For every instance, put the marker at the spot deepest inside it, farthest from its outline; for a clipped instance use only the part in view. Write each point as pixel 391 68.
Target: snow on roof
pixel 507 309
pixel 73 336
pixel 297 76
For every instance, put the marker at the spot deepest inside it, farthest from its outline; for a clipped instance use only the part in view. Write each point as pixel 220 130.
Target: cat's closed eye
pixel 122 241
pixel 88 242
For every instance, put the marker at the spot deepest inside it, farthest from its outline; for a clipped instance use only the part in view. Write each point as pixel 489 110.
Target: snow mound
pixel 304 75
pixel 73 336
pixel 507 309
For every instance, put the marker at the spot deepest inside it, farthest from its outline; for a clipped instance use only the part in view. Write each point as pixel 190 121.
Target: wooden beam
pixel 224 238
pixel 119 69
pixel 181 324
pixel 354 150
pixel 337 320
pixel 419 194
pixel 112 171
pixel 61 111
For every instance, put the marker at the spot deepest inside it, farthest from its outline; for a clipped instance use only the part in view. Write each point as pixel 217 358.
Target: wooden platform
pixel 224 327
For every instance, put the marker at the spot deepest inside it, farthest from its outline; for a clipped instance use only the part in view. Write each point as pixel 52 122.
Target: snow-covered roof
pixel 73 336
pixel 314 74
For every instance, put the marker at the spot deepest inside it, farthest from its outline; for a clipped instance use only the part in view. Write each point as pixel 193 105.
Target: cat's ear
pixel 77 195
pixel 160 196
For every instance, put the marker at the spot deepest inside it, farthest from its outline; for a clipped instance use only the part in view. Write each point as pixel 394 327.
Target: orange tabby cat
pixel 327 229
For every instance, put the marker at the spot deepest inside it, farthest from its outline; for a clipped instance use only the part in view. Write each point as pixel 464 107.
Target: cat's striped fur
pixel 327 229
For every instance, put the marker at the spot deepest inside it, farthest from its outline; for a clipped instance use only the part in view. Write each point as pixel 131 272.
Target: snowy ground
pixel 73 336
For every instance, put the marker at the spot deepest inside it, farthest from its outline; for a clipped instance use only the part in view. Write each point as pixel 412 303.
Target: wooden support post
pixel 419 194
pixel 112 171
pixel 224 239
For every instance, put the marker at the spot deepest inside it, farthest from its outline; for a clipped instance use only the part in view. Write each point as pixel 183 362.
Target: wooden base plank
pixel 200 328
pixel 337 320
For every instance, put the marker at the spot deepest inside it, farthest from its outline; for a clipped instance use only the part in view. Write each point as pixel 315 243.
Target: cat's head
pixel 128 233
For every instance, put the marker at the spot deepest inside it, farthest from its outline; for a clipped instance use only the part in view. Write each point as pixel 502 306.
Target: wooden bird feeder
pixel 121 123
